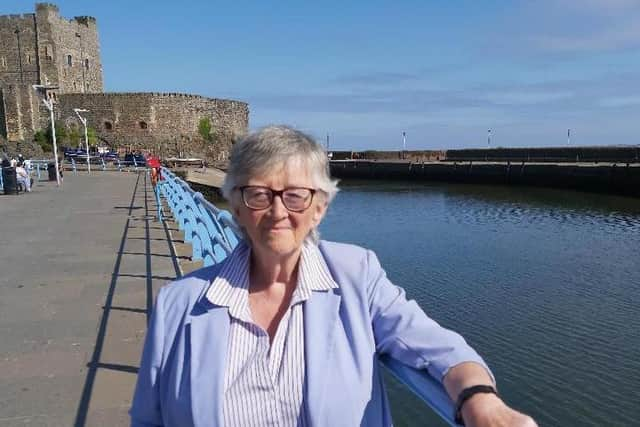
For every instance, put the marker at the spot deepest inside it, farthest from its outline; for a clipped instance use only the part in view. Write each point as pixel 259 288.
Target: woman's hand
pixel 482 409
pixel 488 410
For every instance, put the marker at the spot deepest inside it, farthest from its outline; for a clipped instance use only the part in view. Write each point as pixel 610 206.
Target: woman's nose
pixel 278 210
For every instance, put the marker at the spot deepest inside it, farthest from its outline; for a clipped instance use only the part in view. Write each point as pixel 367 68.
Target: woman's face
pixel 277 230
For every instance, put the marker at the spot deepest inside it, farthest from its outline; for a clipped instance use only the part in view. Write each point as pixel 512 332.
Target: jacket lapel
pixel 320 318
pixel 208 344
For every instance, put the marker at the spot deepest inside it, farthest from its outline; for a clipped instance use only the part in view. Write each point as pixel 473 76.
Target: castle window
pixel 143 125
pixel 28 59
pixel 86 64
pixel 3 61
pixel 47 53
pixel 69 61
pixel 108 126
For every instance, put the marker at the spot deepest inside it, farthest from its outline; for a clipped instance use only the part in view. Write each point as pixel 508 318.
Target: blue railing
pixel 213 234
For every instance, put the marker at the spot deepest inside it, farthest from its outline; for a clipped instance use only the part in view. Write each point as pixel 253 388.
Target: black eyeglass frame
pixel 275 193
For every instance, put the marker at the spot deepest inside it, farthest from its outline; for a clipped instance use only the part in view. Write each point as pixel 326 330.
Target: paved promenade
pixel 79 268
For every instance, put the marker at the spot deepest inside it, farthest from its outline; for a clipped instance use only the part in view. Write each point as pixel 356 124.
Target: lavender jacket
pixel 180 382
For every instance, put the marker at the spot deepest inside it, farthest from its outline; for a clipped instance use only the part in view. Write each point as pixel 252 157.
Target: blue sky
pixel 365 71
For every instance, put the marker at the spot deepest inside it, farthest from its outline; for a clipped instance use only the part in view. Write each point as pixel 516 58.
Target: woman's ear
pixel 318 212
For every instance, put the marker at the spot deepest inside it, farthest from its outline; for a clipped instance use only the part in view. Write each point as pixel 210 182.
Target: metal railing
pixel 213 234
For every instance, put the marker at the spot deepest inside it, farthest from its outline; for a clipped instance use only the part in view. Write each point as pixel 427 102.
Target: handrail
pixel 213 234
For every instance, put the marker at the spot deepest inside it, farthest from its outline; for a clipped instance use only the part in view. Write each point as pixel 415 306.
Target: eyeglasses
pixel 295 199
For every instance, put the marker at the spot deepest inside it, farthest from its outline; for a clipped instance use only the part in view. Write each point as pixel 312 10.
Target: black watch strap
pixel 466 395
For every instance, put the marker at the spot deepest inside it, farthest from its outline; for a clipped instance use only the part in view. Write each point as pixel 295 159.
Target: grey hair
pixel 272 147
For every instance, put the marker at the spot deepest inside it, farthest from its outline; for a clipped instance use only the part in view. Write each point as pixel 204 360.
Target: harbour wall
pixel 575 154
pixel 611 178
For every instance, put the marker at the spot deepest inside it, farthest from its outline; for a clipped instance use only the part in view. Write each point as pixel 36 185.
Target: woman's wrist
pixel 480 407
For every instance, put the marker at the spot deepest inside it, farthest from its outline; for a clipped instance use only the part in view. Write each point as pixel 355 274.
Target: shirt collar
pixel 231 287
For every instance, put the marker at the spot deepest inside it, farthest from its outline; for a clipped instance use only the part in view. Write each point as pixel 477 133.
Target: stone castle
pixel 45 48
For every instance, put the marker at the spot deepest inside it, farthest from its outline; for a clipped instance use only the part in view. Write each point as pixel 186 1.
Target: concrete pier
pixel 79 269
pixel 605 177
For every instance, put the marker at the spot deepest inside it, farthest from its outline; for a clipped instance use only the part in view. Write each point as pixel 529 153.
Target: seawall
pixel 612 178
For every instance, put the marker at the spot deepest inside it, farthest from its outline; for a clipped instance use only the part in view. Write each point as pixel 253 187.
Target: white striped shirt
pixel 264 384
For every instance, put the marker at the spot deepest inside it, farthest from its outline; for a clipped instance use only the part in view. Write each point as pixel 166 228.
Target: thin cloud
pixel 377 78
pixel 622 36
pixel 620 101
pixel 570 27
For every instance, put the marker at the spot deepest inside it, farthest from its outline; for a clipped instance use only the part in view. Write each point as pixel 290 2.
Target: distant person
pixel 287 331
pixel 22 177
pixel 155 164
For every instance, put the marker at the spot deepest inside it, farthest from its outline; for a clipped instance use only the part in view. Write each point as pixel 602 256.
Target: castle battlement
pixel 47 6
pixel 152 95
pixel 15 17
pixel 84 20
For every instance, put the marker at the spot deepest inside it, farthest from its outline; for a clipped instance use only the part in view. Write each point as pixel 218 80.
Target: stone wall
pixel 607 178
pixel 35 49
pixel 3 117
pixel 21 112
pixel 18 50
pixel 69 51
pixel 18 71
pixel 163 123
pixel 549 154
pixel 414 156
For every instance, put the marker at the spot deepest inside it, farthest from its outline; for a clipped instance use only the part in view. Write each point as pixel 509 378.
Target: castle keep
pixel 45 48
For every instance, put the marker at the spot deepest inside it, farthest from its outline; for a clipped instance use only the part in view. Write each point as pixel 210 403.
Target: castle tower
pixel 44 48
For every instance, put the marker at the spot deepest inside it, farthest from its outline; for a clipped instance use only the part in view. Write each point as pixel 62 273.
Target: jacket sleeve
pixel 145 410
pixel 403 330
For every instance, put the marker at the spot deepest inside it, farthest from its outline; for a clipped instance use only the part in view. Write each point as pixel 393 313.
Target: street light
pixel 404 143
pixel 83 120
pixel 41 91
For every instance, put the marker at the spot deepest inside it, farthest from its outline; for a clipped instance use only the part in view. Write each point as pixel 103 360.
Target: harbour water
pixel 545 284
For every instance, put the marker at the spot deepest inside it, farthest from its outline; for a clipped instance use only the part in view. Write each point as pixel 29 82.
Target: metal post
pixel 158 201
pixel 83 120
pixel 53 136
pixel 41 90
pixel 404 143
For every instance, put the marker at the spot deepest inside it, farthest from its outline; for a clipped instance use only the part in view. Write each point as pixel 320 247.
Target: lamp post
pixel 404 143
pixel 41 90
pixel 83 120
pixel 489 138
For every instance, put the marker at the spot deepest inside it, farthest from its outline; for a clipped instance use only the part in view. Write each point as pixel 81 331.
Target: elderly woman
pixel 288 329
